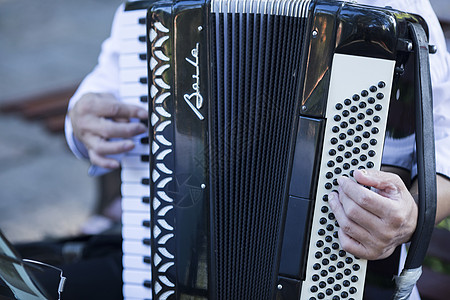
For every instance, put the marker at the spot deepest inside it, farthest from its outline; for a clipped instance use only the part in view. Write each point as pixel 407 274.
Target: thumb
pixel 385 182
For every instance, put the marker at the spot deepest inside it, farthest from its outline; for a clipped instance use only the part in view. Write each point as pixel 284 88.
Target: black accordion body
pixel 256 107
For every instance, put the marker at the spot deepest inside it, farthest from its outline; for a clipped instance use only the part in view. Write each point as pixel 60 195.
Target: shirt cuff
pixel 75 145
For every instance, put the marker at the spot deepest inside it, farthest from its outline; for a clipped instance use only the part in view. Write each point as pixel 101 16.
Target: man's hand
pixel 96 118
pixel 373 222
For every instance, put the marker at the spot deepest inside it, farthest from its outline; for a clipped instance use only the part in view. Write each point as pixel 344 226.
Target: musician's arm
pixel 95 116
pixel 443 198
pixel 374 222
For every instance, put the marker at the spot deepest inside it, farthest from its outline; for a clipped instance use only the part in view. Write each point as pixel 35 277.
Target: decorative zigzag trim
pixel 161 175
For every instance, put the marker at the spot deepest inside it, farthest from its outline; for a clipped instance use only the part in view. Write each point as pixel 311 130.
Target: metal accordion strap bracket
pixel 426 164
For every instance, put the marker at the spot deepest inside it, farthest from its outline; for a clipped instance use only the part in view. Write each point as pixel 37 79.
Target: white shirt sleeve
pixel 440 76
pixel 104 78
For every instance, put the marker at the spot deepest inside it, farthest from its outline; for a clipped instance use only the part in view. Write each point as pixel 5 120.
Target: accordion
pixel 255 109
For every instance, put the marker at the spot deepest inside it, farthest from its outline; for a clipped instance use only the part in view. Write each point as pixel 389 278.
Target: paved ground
pixel 45 45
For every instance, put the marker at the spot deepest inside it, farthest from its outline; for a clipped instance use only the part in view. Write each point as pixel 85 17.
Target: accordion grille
pixel 255 78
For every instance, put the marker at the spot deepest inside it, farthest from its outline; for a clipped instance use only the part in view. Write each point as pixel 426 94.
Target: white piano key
pixel 132 31
pixel 130 261
pixel 134 175
pixel 136 276
pixel 133 75
pixel 135 247
pixel 135 218
pixel 132 60
pixel 132 46
pixel 135 232
pixel 138 292
pixel 135 204
pixel 135 190
pixel 135 162
pixel 132 89
pixel 132 16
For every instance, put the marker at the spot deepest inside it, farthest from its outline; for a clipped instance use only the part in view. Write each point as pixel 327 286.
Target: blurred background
pixel 46 48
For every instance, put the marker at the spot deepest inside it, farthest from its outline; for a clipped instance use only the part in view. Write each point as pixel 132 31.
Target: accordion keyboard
pixel 135 171
pixel 354 136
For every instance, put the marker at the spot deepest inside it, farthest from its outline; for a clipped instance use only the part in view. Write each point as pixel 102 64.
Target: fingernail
pixel 142 114
pixel 128 145
pixel 364 172
pixel 114 165
pixel 341 179
pixel 141 128
pixel 331 197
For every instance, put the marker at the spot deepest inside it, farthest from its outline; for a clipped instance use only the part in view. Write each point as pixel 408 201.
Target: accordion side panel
pixel 357 109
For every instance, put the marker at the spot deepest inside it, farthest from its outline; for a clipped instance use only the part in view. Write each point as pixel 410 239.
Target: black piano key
pixel 143 80
pixel 144 99
pixel 147 283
